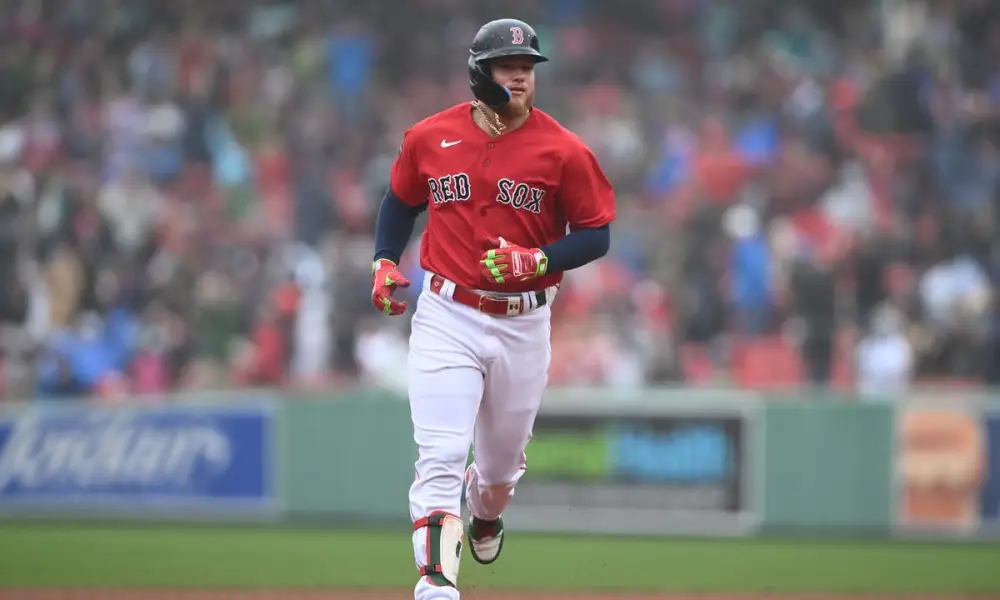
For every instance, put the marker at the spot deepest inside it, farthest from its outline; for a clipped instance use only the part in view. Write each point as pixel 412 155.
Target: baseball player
pixel 502 182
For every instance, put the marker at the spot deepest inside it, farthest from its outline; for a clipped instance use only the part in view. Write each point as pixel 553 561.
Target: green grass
pixel 89 555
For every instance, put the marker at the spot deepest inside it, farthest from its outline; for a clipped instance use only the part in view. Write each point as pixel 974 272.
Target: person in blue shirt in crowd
pixel 76 361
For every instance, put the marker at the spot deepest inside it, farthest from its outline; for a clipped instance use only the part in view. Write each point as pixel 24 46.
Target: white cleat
pixel 485 539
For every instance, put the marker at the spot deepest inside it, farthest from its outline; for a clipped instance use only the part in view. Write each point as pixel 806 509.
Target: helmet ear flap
pixel 484 88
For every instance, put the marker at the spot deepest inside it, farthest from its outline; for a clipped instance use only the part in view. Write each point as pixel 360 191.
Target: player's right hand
pixel 385 279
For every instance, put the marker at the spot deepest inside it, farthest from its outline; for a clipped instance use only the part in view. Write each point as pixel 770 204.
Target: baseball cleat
pixel 485 539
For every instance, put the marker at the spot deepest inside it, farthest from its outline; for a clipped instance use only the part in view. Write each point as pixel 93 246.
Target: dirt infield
pixel 469 594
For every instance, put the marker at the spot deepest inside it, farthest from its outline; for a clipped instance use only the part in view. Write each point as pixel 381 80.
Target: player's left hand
pixel 503 262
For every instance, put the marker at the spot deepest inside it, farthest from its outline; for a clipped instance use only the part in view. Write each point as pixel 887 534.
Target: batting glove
pixel 385 279
pixel 503 262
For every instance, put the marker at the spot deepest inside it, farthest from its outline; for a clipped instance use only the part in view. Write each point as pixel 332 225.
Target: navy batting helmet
pixel 503 37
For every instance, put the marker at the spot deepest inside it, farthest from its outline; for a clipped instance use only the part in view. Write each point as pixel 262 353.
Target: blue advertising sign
pixel 990 493
pixel 172 458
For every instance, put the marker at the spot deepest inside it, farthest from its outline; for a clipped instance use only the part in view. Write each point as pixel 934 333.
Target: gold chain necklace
pixel 498 126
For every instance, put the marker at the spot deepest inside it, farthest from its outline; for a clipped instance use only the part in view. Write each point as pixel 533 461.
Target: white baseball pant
pixel 478 380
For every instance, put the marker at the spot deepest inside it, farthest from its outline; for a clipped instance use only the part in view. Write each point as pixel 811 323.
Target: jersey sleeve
pixel 405 177
pixel 586 195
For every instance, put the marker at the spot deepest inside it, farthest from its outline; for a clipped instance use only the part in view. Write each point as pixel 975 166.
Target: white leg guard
pixel 437 544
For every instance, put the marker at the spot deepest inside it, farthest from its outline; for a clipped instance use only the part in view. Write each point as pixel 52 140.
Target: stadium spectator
pixel 187 189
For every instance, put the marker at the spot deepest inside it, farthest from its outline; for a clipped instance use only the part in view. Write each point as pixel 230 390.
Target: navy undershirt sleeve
pixel 394 226
pixel 578 248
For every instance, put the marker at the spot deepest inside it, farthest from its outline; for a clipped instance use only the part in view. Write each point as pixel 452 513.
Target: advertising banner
pixel 182 460
pixel 685 472
pixel 940 469
pixel 990 497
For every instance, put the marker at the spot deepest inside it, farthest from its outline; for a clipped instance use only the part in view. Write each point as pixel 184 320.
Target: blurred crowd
pixel 808 191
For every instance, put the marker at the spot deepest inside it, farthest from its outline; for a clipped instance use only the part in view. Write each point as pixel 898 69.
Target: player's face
pixel 517 74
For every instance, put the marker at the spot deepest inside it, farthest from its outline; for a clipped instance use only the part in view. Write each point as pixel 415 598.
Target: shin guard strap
pixel 444 548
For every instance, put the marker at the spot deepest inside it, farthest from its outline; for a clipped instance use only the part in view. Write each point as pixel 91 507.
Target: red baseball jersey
pixel 525 186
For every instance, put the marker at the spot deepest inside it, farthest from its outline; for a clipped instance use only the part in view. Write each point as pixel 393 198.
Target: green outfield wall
pixel 713 463
pixel 349 458
pixel 828 467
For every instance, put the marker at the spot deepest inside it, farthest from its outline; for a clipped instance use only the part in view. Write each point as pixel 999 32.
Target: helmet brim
pixel 512 51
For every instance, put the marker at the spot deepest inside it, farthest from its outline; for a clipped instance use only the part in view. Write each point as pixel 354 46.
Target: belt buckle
pixel 515 304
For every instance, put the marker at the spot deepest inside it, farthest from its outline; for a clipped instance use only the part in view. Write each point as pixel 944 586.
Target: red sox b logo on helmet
pixel 516 35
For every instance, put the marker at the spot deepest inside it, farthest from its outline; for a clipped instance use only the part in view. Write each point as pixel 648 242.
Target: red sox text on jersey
pixel 525 186
pixel 456 188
